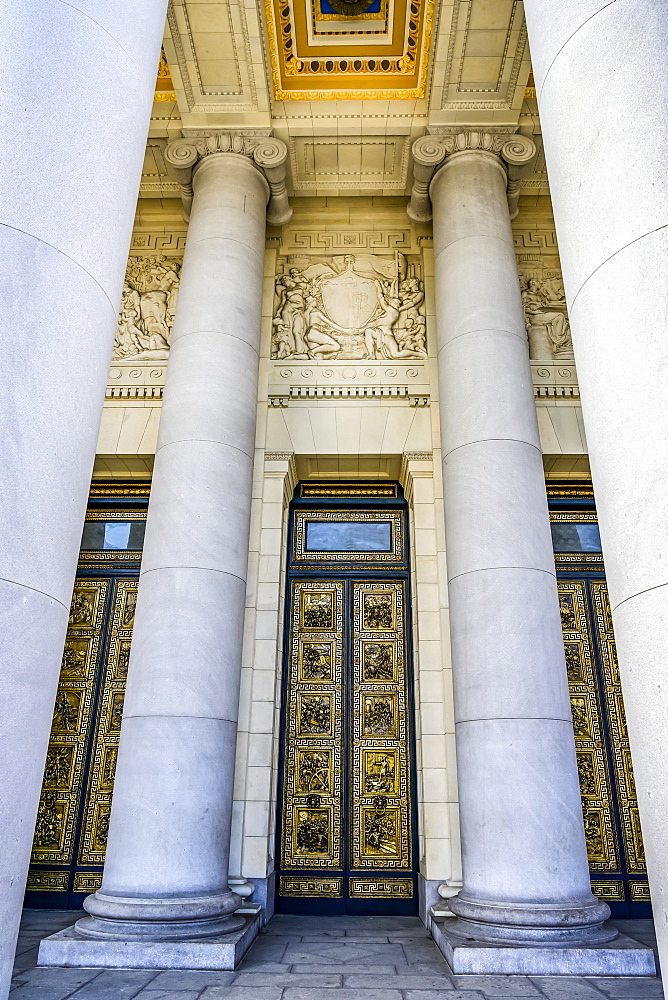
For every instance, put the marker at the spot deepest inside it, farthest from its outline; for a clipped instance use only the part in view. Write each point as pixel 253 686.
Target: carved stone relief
pixel 349 308
pixel 147 309
pixel 546 318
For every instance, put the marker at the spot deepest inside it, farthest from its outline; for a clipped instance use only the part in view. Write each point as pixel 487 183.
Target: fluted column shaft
pixel 166 867
pixel 603 100
pixel 525 868
pixel 73 140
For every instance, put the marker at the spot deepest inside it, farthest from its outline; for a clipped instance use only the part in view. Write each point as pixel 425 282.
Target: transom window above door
pixel 362 536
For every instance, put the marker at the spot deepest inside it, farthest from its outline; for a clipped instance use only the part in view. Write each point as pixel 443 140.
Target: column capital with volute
pixel 515 153
pixel 268 154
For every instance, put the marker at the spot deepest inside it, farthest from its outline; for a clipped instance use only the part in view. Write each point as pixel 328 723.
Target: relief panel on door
pixel 312 789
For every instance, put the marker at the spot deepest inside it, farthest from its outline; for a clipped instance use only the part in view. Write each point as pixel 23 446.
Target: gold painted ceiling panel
pixel 318 54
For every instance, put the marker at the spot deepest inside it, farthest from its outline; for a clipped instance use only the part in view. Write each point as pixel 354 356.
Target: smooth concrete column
pixel 75 100
pixel 600 72
pixel 166 867
pixel 525 870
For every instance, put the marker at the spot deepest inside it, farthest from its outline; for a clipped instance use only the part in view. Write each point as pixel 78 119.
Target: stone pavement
pixel 315 958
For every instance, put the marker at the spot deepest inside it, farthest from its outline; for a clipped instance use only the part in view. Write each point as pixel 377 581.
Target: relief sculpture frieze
pixel 546 318
pixel 147 309
pixel 349 308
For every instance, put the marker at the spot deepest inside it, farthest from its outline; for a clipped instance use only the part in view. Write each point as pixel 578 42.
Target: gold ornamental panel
pixel 87 882
pixel 347 490
pixel 595 786
pixel 44 881
pixel 381 887
pixel 97 811
pixel 380 808
pixel 379 660
pixel 299 886
pixel 316 661
pixel 314 734
pixel 63 772
pixel 639 890
pixel 619 742
pixel 612 890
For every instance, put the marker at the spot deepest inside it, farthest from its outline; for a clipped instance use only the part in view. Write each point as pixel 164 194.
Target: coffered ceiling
pixel 347 84
pixel 319 54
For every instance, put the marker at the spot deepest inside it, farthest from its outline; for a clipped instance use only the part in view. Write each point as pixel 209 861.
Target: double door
pixel 347 803
pixel 607 788
pixel 70 837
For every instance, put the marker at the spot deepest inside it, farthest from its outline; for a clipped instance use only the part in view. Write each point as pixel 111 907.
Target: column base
pixel 154 918
pixel 466 955
pixel 70 948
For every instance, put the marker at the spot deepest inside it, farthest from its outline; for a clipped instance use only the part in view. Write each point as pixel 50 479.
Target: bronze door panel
pixel 346 782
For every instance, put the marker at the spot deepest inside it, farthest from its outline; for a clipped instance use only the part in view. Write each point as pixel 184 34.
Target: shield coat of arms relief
pixel 349 308
pixel 349 299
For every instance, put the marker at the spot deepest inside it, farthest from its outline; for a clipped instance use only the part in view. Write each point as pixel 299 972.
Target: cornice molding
pixel 267 153
pixel 517 152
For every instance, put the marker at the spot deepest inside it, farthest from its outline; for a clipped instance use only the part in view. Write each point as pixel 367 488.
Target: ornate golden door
pixel 607 788
pixel 346 840
pixel 70 837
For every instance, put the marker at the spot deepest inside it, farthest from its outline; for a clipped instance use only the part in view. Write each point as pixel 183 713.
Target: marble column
pixel 525 872
pixel 74 129
pixel 603 101
pixel 166 870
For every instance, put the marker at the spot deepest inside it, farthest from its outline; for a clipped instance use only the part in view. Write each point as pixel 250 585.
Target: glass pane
pixel 575 537
pixel 120 535
pixel 116 534
pixel 93 535
pixel 137 532
pixel 348 536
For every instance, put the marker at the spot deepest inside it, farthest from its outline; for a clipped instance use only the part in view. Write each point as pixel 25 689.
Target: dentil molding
pixel 267 153
pixel 431 151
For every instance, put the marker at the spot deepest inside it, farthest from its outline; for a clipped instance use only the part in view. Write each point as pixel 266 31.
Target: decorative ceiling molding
pixel 486 64
pixel 368 58
pixel 214 53
pixel 156 181
pixel 364 163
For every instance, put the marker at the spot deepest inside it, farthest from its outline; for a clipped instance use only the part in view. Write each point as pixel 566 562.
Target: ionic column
pixel 525 871
pixel 73 140
pixel 166 870
pixel 602 94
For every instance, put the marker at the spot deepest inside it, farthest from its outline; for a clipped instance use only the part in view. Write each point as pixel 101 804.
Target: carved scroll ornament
pixel 430 151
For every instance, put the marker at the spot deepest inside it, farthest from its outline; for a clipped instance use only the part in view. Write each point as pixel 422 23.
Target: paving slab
pixel 59 978
pixel 344 994
pixel 342 969
pixel 242 993
pixel 327 953
pixel 559 988
pixel 27 992
pixel 426 982
pixel 168 995
pixel 441 995
pixel 190 979
pixel 629 989
pixel 118 984
pixel 499 986
pixel 323 981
